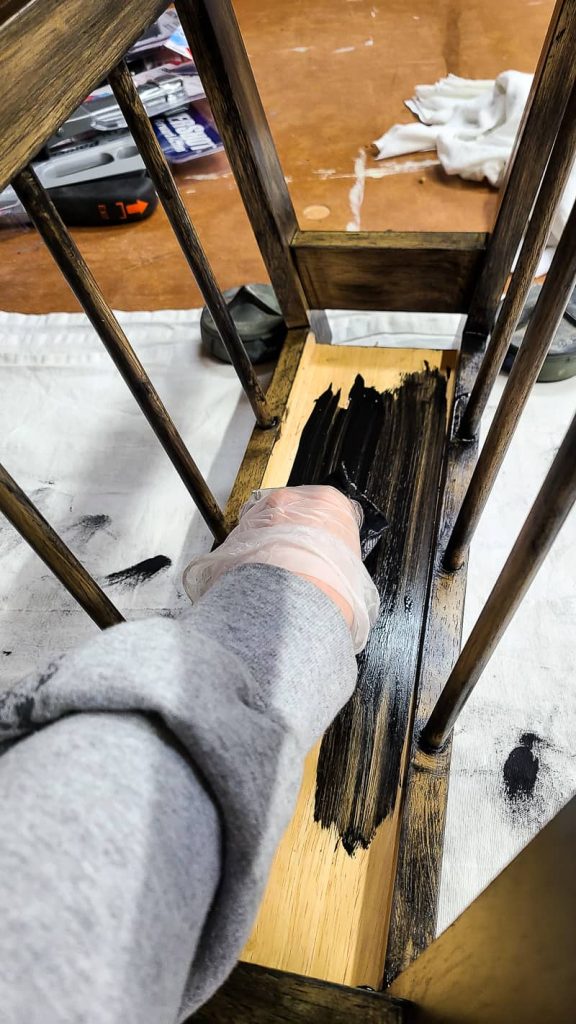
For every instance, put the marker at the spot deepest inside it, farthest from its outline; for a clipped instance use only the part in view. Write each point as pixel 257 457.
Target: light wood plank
pixel 325 914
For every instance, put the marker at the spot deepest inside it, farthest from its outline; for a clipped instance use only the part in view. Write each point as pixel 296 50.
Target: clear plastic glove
pixel 311 530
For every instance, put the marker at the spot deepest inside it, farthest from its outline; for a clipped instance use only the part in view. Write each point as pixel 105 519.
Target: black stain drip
pixel 391 444
pixel 520 770
pixel 139 573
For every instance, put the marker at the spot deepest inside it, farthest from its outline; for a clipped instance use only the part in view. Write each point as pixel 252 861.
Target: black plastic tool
pixel 107 201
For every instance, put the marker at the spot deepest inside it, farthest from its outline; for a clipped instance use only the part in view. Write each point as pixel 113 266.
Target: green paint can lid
pixel 258 319
pixel 560 361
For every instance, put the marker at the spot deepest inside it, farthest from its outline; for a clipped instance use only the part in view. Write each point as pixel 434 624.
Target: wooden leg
pixel 221 59
pixel 553 503
pixel 557 174
pixel 139 124
pixel 26 518
pixel 66 254
pixel 551 89
pixel 552 302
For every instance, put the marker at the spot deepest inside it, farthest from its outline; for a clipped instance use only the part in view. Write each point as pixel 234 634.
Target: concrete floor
pixel 333 75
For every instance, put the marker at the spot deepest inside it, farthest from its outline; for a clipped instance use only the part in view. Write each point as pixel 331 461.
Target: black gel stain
pixel 141 572
pixel 391 444
pixel 520 770
pixel 86 526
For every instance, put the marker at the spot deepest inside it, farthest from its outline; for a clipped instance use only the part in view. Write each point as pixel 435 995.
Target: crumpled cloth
pixel 472 124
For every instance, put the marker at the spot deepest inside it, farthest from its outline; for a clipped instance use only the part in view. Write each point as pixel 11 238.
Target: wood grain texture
pixel 43 213
pixel 325 913
pixel 425 787
pixel 552 86
pixel 256 995
pixel 151 151
pixel 52 56
pixel 432 272
pixel 44 540
pixel 224 67
pixel 510 956
pixel 543 325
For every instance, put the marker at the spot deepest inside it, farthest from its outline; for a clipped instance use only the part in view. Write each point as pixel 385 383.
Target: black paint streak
pixel 391 444
pixel 87 526
pixel 139 573
pixel 520 770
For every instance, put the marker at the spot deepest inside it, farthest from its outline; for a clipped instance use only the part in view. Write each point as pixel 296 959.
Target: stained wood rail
pixel 151 151
pixel 53 54
pixel 431 272
pixel 546 518
pixel 551 190
pixel 543 325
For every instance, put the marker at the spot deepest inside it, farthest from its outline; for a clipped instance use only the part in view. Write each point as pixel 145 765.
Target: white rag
pixel 472 124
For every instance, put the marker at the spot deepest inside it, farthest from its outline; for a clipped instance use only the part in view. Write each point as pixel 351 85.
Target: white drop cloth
pixel 472 124
pixel 73 437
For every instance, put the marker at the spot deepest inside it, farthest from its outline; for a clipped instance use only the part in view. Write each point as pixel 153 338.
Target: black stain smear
pixel 391 444
pixel 520 770
pixel 6 653
pixel 87 526
pixel 139 573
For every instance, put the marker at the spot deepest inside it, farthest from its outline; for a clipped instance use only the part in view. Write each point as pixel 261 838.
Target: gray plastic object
pixel 256 314
pixel 560 362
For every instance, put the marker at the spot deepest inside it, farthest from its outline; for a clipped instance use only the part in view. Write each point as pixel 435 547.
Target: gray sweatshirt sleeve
pixel 139 813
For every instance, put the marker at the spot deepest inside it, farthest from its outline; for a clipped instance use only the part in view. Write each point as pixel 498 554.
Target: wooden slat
pixel 553 83
pixel 548 514
pixel 53 53
pixel 510 956
pixel 325 912
pixel 544 322
pixel 66 254
pixel 557 172
pixel 430 272
pixel 417 882
pixel 224 67
pixel 151 151
pixel 255 995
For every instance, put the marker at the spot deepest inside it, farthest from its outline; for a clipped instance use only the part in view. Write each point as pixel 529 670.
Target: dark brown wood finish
pixel 68 257
pixel 545 519
pixel 429 272
pixel 261 443
pixel 425 786
pixel 557 173
pixel 52 55
pixel 151 151
pixel 258 995
pixel 221 58
pixel 509 958
pixel 553 84
pixel 550 307
pixel 44 540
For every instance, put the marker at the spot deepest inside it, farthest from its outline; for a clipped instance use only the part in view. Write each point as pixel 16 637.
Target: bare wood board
pixel 325 913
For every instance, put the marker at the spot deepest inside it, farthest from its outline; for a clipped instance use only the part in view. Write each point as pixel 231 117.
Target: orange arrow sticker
pixel 137 207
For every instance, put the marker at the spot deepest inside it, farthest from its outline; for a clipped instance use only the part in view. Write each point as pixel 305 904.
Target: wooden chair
pixel 353 892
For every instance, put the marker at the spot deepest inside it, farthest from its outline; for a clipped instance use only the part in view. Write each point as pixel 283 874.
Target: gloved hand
pixel 310 530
